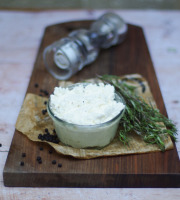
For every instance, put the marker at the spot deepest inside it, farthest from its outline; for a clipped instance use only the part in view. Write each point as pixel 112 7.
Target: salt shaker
pixel 69 55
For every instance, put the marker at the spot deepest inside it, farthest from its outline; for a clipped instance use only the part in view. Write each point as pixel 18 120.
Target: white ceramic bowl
pixel 85 136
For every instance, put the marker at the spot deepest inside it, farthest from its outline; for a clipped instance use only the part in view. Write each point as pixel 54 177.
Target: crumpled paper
pixel 31 122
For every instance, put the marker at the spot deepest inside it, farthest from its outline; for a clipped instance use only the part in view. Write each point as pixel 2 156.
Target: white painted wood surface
pixel 20 36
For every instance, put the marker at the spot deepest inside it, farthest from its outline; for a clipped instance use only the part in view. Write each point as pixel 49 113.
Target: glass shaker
pixel 69 55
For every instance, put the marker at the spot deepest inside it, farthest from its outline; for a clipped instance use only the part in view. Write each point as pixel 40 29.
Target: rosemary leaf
pixel 140 117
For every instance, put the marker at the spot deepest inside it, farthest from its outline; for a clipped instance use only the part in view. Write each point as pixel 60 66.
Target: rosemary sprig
pixel 140 117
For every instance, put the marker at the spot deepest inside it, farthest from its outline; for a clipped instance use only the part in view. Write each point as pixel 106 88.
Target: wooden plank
pixel 146 170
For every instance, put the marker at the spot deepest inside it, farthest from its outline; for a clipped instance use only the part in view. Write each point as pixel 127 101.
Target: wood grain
pixel 146 170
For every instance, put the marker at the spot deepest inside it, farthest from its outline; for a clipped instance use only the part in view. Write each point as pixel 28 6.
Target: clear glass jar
pixel 85 136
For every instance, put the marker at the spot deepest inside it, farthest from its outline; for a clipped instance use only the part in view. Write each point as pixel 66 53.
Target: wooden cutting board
pixel 143 170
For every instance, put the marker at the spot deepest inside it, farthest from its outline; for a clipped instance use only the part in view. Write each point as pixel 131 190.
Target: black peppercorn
pixel 44 111
pixel 59 165
pixel 54 162
pixel 23 154
pixel 36 85
pixel 40 136
pixel 50 151
pixel 38 158
pixel 46 92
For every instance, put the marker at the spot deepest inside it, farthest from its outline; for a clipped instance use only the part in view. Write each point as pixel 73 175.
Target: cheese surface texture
pixel 85 105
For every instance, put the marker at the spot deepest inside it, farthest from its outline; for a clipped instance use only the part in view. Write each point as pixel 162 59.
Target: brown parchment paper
pixel 31 122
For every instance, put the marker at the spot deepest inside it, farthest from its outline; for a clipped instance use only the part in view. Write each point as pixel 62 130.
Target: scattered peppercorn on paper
pixel 32 122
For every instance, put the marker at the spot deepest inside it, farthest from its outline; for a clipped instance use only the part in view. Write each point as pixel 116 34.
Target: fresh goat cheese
pixel 85 104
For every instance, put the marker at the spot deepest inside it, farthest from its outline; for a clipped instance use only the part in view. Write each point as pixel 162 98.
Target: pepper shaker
pixel 69 55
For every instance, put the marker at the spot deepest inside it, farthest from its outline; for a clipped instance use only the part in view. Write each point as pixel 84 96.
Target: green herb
pixel 141 117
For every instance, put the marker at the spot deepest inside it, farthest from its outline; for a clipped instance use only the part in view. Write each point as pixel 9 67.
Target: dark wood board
pixel 141 170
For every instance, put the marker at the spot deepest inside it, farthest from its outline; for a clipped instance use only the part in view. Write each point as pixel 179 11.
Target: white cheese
pixel 85 105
